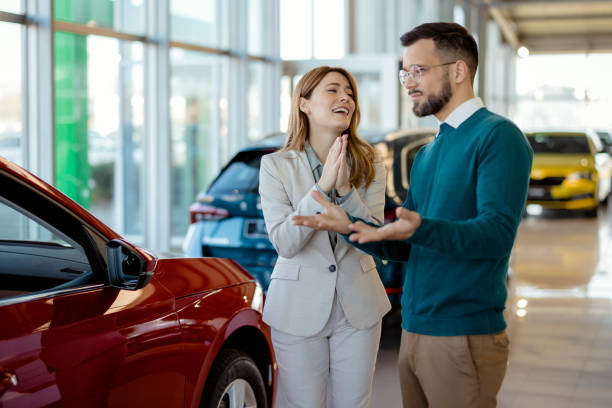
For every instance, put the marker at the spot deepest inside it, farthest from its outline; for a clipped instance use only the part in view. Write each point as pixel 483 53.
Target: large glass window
pixel 12 6
pixel 197 22
pixel 295 29
pixel 368 86
pixel 255 14
pixel 194 120
pixel 99 111
pixel 10 94
pixel 255 99
pixel 298 38
pixel 328 16
pixel 121 15
pixel 86 134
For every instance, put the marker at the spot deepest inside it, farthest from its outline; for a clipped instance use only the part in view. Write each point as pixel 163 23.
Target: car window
pixel 240 176
pixel 605 138
pixel 36 257
pixel 543 143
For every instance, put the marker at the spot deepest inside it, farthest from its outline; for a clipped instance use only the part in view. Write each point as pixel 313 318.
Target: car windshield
pixel 240 176
pixel 546 143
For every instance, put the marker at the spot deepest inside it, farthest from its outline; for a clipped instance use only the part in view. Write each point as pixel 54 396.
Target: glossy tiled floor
pixel 559 318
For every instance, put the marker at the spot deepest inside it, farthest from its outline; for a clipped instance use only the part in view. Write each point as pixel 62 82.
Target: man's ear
pixel 304 105
pixel 462 71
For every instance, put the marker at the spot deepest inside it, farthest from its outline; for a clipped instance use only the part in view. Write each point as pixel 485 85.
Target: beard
pixel 434 103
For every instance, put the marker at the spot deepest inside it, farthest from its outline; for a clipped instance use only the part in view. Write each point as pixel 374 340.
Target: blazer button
pixel 332 268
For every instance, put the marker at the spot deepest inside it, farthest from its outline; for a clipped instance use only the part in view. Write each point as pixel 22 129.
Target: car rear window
pixel 240 176
pixel 546 143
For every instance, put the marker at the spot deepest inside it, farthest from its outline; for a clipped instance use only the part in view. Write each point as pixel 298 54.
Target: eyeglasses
pixel 415 72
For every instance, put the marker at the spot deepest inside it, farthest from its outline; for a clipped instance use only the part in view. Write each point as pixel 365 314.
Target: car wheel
pixel 234 382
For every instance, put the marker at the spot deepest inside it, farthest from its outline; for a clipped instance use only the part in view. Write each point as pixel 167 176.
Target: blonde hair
pixel 360 155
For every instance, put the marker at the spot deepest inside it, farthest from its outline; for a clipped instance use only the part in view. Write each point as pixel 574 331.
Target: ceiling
pixel 555 26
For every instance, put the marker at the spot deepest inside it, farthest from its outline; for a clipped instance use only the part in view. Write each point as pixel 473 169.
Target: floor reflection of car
pixel 226 219
pixel 571 170
pixel 89 319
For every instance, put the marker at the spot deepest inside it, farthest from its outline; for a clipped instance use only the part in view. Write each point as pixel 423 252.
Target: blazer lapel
pixel 308 182
pixel 341 248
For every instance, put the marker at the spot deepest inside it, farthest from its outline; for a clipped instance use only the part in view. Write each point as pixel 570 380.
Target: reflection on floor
pixel 559 315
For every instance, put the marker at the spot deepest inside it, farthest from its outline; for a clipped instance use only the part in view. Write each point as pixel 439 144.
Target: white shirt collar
pixel 462 112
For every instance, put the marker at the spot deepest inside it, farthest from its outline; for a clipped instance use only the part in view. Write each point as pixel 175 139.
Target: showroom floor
pixel 559 315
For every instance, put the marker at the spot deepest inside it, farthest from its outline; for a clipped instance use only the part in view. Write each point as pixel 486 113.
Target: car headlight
pixel 580 175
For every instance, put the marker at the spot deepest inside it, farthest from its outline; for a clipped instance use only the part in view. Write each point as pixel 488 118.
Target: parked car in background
pixel 226 219
pixel 605 138
pixel 571 170
pixel 89 319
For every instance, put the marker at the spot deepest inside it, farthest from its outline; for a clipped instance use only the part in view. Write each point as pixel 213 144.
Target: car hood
pixel 563 161
pixel 188 276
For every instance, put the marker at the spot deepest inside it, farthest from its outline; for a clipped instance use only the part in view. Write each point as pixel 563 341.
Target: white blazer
pixel 308 271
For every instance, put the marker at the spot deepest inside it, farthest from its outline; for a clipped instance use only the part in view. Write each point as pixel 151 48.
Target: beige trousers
pixel 452 371
pixel 334 368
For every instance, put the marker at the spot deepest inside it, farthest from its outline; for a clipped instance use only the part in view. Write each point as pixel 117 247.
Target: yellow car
pixel 570 171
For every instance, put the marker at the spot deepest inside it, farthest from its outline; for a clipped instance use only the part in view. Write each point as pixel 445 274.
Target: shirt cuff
pixel 341 200
pixel 322 192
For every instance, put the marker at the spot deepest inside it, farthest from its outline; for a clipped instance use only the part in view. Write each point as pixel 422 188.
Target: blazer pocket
pixel 286 271
pixel 367 263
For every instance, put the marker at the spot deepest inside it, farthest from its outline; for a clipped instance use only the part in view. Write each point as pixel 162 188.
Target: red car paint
pixel 100 345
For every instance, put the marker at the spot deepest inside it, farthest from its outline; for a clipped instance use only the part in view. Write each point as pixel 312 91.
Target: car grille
pixel 543 194
pixel 548 181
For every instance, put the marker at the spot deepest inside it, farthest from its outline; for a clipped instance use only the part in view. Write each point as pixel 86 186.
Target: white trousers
pixel 335 365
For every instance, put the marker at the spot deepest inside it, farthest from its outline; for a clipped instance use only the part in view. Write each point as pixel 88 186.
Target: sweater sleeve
pixel 505 159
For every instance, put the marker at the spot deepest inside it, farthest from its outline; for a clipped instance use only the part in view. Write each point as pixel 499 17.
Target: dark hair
pixel 451 40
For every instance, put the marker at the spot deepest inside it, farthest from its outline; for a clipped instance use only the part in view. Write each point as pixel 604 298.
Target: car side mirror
pixel 126 267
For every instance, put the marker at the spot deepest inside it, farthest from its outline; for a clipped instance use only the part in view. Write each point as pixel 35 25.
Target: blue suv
pixel 227 222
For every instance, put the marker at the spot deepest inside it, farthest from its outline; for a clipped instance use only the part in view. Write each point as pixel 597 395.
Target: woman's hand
pixel 333 218
pixel 343 186
pixel 330 169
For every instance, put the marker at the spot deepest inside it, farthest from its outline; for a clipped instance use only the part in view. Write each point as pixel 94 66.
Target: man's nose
pixel 410 83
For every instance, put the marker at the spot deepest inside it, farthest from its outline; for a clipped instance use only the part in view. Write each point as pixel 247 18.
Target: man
pixel 455 230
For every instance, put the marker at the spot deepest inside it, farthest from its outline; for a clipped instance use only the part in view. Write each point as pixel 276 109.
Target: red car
pixel 89 320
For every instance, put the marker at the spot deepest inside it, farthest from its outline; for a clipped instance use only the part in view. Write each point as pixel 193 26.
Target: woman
pixel 325 301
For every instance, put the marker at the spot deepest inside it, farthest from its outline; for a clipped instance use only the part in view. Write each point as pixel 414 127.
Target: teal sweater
pixel 469 185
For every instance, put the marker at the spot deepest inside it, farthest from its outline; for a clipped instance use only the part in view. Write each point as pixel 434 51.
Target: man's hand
pixel 406 224
pixel 333 218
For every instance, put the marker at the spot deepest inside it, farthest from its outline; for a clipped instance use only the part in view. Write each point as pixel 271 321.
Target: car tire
pixel 234 375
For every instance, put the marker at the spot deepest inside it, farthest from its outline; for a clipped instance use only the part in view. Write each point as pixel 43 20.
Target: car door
pixel 67 337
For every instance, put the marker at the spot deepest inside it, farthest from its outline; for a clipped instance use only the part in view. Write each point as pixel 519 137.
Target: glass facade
pixel 138 112
pixel 12 6
pixel 255 99
pixel 11 98
pixel 256 31
pixel 121 15
pixel 194 119
pixel 99 126
pixel 198 22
